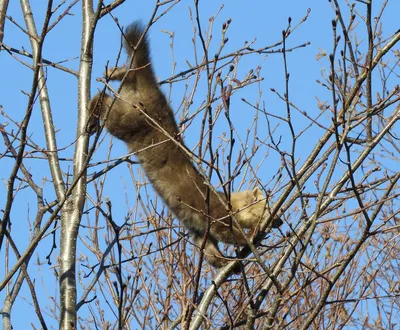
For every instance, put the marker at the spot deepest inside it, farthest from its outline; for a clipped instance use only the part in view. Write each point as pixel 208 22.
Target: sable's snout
pixel 277 223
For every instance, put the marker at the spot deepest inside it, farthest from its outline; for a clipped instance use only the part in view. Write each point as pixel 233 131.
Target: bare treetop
pixel 263 112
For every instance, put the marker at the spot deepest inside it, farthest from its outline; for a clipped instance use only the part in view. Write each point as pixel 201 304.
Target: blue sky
pixel 256 19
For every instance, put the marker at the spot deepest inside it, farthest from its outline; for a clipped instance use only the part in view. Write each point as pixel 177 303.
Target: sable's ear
pixel 256 193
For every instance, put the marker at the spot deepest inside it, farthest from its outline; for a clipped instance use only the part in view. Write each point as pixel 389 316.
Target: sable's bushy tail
pixel 133 34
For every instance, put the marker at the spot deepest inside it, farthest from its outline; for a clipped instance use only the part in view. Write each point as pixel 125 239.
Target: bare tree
pixel 327 163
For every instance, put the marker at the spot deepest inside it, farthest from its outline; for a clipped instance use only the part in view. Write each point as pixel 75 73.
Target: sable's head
pixel 252 205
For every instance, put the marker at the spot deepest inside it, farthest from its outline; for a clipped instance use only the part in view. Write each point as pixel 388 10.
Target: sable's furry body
pixel 168 168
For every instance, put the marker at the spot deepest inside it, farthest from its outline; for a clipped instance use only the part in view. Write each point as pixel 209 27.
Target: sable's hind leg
pixel 117 73
pixel 98 107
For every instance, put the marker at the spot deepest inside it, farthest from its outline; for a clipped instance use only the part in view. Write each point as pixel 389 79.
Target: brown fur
pixel 167 165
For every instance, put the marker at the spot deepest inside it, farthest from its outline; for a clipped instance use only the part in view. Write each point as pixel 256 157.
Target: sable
pixel 142 118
